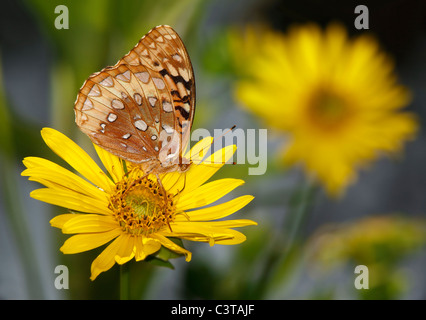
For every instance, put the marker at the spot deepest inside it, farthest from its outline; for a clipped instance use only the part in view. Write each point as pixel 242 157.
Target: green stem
pixel 285 240
pixel 300 214
pixel 125 281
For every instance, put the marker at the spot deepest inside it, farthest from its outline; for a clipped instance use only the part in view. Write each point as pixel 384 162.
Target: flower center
pixel 327 109
pixel 141 206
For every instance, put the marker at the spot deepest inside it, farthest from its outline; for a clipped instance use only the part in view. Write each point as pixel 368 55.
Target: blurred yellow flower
pixel 129 208
pixel 383 239
pixel 337 98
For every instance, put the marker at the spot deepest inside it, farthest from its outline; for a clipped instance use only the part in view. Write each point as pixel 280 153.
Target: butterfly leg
pixel 183 188
pixel 161 185
pixel 163 190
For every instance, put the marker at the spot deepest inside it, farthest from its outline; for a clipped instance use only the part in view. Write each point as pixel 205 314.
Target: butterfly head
pixel 158 167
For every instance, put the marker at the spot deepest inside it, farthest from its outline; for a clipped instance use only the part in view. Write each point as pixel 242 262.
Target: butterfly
pixel 142 108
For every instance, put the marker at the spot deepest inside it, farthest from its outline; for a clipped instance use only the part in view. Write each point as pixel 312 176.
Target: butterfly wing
pixel 142 108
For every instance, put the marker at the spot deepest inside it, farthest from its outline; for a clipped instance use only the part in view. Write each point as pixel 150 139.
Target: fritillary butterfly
pixel 142 109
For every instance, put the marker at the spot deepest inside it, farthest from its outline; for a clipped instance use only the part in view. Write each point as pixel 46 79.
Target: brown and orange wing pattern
pixel 132 108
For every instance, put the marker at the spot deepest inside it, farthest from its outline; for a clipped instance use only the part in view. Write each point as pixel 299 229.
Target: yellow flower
pixel 336 98
pixel 130 209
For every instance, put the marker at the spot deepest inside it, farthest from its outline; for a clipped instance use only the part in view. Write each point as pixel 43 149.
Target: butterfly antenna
pixel 213 141
pixel 226 132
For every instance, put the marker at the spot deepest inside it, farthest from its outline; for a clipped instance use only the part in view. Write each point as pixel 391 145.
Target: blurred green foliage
pixel 379 242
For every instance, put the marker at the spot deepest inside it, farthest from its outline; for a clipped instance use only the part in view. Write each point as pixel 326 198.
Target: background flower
pixel 336 98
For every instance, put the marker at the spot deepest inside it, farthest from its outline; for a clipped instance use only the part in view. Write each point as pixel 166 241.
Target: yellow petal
pixel 216 212
pixel 199 151
pixel 77 158
pixel 145 246
pixel 126 250
pixel 199 174
pixel 59 221
pixel 71 200
pixel 112 163
pixel 90 223
pixel 203 232
pixel 236 238
pixel 200 171
pixel 174 182
pixel 53 176
pixel 171 245
pixel 88 241
pixel 221 156
pixel 106 259
pixel 230 223
pixel 207 193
